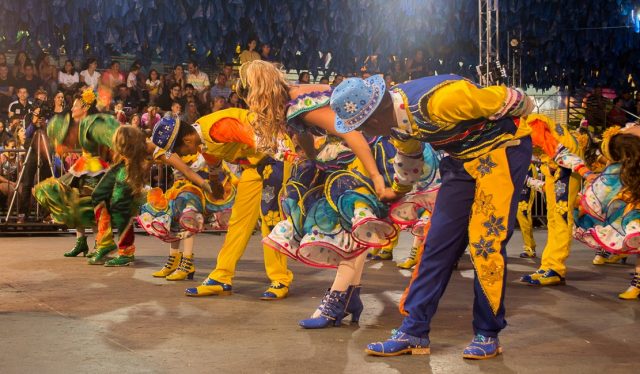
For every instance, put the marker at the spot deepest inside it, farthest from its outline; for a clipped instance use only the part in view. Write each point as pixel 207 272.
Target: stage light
pixel 514 42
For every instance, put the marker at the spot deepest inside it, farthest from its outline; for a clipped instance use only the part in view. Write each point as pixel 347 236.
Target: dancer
pixel 608 215
pixel 227 136
pixel 525 221
pixel 177 215
pixel 304 110
pixel 488 157
pixel 562 167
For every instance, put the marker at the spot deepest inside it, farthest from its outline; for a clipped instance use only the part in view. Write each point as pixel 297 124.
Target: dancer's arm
pixel 175 161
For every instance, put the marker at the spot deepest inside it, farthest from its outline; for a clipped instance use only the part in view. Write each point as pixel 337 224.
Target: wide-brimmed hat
pixel 355 99
pixel 165 132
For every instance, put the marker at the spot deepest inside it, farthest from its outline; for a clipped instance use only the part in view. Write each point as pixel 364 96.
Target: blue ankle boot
pixel 482 347
pixel 354 304
pixel 398 344
pixel 332 311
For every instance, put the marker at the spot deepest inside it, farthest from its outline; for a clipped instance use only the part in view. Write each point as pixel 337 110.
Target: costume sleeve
pixel 230 130
pixel 407 164
pixel 535 184
pixel 462 101
pixel 102 129
pixel 571 161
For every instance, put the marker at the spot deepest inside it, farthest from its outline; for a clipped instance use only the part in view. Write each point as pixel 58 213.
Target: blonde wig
pixel 266 91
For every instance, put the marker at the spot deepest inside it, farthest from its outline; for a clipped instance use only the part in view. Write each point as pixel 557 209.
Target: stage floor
pixel 60 315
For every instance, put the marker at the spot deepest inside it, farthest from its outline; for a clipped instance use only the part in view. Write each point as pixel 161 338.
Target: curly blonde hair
pixel 129 145
pixel 266 91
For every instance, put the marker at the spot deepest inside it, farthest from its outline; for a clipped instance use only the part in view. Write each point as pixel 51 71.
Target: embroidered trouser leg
pixel 560 191
pixel 479 195
pixel 525 221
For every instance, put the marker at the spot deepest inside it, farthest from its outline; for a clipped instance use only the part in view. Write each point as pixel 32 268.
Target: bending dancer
pixel 608 216
pixel 486 166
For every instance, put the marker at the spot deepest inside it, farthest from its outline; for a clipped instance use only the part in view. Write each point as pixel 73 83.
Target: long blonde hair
pixel 130 146
pixel 266 93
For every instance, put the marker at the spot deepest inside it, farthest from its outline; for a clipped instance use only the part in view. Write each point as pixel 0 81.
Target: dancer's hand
pixel 590 177
pixel 378 185
pixel 390 195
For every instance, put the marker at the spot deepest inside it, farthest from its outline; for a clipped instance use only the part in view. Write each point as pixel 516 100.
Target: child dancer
pixel 180 213
pixel 608 215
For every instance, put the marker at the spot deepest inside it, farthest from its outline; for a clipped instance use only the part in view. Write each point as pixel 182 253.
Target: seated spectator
pixel 135 120
pixel 191 113
pixel 324 80
pixel 5 134
pixel 399 73
pixel 190 94
pixel 21 137
pixel 304 78
pixel 14 125
pixel 616 115
pixel 30 80
pixel 228 72
pixel 9 167
pixel 130 102
pixel 150 118
pixel 220 88
pixel 234 101
pixel 265 53
pixel 176 109
pixel 59 104
pixel 7 86
pixel 199 80
pixel 173 94
pixel 154 85
pixel 218 103
pixel 250 53
pixel 118 110
pixel 49 76
pixel 337 80
pixel 177 76
pixel 90 76
pixel 417 66
pixel 388 80
pixel 42 64
pixel 68 77
pixel 22 106
pixel 19 63
pixel 113 77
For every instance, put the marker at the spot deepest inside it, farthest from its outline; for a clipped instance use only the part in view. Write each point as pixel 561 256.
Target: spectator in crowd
pixel 40 98
pixel 220 88
pixel 177 76
pixel 135 82
pixel 30 80
pixel 18 64
pixel 118 110
pixel 4 132
pixel 595 111
pixel 135 120
pixel 132 77
pixel 199 80
pixel 22 106
pixel 176 109
pixel 228 72
pixel 113 77
pixel 190 94
pixel 365 75
pixel 616 116
pixel 49 76
pixel 191 113
pixel 324 80
pixel 250 53
pixel 154 85
pixel 371 64
pixel 265 53
pixel 9 166
pixel 3 59
pixel 388 80
pixel 304 78
pixel 14 125
pixel 59 104
pixel 43 62
pixel 234 101
pixel 7 86
pixel 129 101
pixel 150 118
pixel 90 76
pixel 173 94
pixel 68 77
pixel 337 80
pixel 218 103
pixel 628 103
pixel 417 66
pixel 399 73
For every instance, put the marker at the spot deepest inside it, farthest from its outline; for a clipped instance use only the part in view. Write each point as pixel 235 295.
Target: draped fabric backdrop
pixel 577 41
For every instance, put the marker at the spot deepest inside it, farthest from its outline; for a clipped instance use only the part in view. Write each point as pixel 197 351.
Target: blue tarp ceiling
pixel 564 41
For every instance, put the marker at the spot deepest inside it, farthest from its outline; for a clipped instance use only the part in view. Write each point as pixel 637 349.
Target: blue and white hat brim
pixel 379 87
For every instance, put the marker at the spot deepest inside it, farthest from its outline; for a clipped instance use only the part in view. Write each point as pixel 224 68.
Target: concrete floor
pixel 59 315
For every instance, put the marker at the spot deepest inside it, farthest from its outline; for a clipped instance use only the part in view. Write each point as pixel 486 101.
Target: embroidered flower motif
pixel 486 164
pixel 266 173
pixel 560 188
pixel 523 206
pixel 491 273
pixel 350 107
pixel 483 204
pixel 494 226
pixel 272 218
pixel 308 102
pixel 561 208
pixel 484 247
pixel 267 194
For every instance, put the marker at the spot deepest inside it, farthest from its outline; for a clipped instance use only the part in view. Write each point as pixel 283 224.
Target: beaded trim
pixel 307 102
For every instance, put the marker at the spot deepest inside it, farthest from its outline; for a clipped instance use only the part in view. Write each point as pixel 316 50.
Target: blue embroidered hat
pixel 165 132
pixel 355 99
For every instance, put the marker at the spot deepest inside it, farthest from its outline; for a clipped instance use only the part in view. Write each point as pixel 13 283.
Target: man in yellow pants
pixel 226 135
pixel 562 167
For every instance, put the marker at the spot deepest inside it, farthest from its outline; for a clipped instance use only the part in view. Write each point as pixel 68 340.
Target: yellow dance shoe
pixel 185 270
pixel 170 266
pixel 209 287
